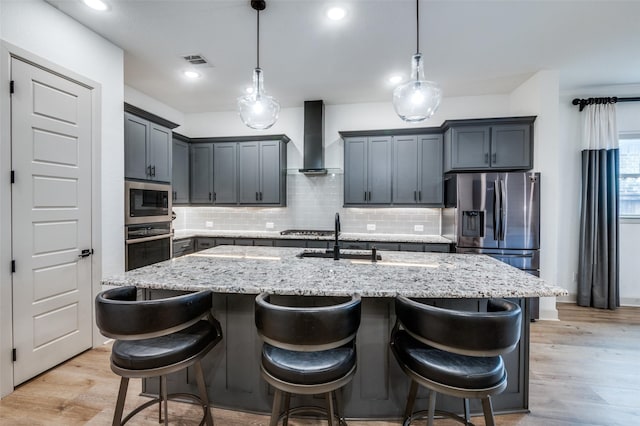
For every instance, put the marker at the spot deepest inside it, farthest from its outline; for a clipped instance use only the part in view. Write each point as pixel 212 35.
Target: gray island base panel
pixel 379 389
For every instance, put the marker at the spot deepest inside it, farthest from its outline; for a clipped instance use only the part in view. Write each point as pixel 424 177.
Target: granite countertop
pixel 344 236
pixel 252 270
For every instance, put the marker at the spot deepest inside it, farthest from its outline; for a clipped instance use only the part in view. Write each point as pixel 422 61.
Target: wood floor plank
pixel 584 371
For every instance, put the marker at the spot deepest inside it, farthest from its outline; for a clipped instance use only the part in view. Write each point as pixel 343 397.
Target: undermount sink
pixel 360 255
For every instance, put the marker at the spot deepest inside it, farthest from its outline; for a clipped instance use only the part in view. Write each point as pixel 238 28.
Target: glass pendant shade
pixel 258 110
pixel 418 99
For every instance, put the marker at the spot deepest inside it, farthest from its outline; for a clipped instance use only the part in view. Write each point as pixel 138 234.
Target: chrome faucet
pixel 336 247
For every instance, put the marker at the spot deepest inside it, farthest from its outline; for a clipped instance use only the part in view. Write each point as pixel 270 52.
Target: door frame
pixel 7 52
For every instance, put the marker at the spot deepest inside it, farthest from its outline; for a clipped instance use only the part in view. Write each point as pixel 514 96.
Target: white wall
pixel 152 105
pixel 43 31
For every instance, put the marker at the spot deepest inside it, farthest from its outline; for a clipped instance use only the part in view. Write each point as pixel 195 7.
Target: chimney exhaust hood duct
pixel 313 150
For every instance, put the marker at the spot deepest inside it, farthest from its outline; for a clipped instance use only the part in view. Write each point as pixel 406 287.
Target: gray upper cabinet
pixel 417 170
pixel 489 144
pixel 180 172
pixel 262 172
pixel 367 170
pixel 225 175
pixel 148 149
pixel 201 188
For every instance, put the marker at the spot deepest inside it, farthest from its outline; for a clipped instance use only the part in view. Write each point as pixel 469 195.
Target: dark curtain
pixel 598 273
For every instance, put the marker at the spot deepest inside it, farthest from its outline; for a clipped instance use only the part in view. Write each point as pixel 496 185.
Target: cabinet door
pixel 249 164
pixel 225 173
pixel 269 172
pixel 201 174
pixel 180 172
pixel 159 152
pixel 470 147
pixel 136 133
pixel 511 147
pixel 430 191
pixel 379 170
pixel 405 169
pixel 355 170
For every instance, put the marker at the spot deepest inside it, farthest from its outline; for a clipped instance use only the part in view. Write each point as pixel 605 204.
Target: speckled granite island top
pixel 252 270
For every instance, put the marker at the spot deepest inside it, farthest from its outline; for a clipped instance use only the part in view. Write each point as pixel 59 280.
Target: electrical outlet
pixel 371 226
pixel 208 224
pixel 269 225
pixel 418 228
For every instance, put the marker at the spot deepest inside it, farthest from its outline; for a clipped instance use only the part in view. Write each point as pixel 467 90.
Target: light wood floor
pixel 585 370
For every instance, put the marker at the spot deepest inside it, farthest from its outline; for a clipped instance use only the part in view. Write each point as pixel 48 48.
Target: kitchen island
pixel 379 389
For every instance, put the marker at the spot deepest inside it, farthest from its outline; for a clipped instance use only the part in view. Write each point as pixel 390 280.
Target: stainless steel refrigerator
pixel 497 214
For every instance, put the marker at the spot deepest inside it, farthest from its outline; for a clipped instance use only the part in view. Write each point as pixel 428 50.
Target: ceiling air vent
pixel 196 60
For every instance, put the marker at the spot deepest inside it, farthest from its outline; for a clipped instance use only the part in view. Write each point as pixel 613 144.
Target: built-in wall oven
pixel 148 223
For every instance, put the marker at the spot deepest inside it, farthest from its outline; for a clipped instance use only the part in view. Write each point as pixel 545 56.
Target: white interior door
pixel 51 219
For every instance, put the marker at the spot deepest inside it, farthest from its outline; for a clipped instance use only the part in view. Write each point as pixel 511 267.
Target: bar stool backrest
pixel 120 316
pixel 490 333
pixel 307 329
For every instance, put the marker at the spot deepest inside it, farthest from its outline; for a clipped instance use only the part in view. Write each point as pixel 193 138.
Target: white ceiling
pixel 472 47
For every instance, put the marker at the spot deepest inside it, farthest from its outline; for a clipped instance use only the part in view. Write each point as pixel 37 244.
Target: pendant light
pixel 417 99
pixel 258 110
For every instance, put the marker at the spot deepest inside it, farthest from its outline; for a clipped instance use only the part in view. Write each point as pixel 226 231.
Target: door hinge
pixel 12 87
pixel 13 266
pixel 13 176
pixel 14 355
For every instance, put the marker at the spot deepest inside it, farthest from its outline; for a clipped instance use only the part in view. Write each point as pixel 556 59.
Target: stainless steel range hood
pixel 313 151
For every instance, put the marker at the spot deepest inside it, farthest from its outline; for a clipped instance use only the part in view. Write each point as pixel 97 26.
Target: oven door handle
pixel 145 239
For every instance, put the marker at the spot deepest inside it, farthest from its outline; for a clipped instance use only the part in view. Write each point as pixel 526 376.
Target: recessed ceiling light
pixel 336 13
pixel 96 4
pixel 395 79
pixel 192 74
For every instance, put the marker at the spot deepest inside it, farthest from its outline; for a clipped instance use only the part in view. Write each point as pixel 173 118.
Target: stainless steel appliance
pixel 497 214
pixel 147 243
pixel 146 202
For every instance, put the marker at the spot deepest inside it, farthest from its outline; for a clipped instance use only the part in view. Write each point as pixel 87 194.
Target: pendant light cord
pixel 417 28
pixel 258 39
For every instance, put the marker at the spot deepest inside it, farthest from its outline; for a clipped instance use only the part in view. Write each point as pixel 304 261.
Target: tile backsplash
pixel 312 202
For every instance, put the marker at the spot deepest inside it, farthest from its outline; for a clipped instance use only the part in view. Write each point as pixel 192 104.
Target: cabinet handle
pixel 369 195
pixel 148 170
pixel 214 196
pixel 486 158
pixel 209 196
pixel 153 171
pixel 415 195
pixel 257 196
pixel 260 195
pixel 494 156
pixel 365 195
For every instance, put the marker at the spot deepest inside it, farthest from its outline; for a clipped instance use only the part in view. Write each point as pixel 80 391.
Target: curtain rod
pixel 609 100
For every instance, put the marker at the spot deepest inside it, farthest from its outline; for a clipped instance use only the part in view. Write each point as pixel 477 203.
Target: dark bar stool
pixel 155 338
pixel 454 352
pixel 307 350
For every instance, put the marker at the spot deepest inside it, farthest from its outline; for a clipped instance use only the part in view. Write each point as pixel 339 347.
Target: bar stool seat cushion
pixel 164 350
pixel 448 368
pixel 309 368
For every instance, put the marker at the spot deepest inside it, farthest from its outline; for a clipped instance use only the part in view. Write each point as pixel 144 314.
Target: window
pixel 630 175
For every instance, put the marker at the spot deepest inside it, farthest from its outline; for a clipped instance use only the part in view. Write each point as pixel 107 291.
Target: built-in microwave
pixel 146 202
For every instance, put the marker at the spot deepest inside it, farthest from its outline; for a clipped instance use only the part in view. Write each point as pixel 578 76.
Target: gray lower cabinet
pixel 417 170
pixel 182 247
pixel 497 144
pixel 180 172
pixel 262 172
pixel 148 149
pixel 379 388
pixel 367 170
pixel 201 187
pixel 203 243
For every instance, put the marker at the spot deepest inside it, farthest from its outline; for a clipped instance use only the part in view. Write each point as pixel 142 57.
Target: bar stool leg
pixel 467 411
pixel 203 392
pixel 338 396
pixel 330 412
pixel 122 395
pixel 432 407
pixel 163 386
pixel 411 399
pixel 287 404
pixel 275 411
pixel 487 409
pixel 160 399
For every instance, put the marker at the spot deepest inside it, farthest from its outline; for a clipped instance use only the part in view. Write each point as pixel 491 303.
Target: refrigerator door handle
pixel 503 210
pixel 496 210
